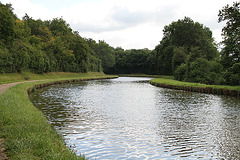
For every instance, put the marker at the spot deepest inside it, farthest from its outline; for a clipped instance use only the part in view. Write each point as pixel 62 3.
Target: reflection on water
pixel 127 118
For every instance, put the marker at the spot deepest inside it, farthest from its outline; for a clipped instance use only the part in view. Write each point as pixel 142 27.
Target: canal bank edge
pixel 42 85
pixel 196 87
pixel 17 97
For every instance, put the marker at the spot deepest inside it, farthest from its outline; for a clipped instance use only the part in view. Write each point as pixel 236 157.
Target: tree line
pixel 187 50
pixel 189 53
pixel 44 46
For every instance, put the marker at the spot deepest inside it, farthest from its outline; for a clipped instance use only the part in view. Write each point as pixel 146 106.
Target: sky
pixel 130 24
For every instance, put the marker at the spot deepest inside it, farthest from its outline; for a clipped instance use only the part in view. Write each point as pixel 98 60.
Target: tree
pixel 189 36
pixel 199 70
pixel 179 57
pixel 231 34
pixel 180 72
pixel 59 27
pixel 203 71
pixel 104 52
pixel 187 33
pixel 232 75
pixel 7 19
pixel 38 29
pixel 152 62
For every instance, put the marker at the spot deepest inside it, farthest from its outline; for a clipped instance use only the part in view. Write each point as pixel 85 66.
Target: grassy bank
pixel 168 82
pixel 17 77
pixel 26 131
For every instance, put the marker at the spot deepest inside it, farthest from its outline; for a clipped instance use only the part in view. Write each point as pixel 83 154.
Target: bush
pixel 232 75
pixel 203 71
pixel 198 71
pixel 180 73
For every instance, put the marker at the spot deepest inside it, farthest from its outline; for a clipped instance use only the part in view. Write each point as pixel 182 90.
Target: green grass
pixel 16 77
pixel 170 81
pixel 26 131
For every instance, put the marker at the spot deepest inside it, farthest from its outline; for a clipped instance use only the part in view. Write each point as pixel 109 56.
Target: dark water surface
pixel 127 118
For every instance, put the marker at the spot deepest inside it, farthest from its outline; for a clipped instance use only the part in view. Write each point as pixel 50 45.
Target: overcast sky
pixel 124 23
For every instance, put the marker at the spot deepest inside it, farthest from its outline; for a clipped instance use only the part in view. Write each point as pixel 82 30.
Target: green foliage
pixel 232 75
pixel 59 27
pixel 187 49
pixel 203 71
pixel 179 57
pixel 131 61
pixel 6 61
pixel 184 40
pixel 21 55
pixel 195 53
pixel 187 33
pixel 180 73
pixel 231 34
pixel 198 71
pixel 152 62
pixel 104 52
pixel 7 19
pixel 50 46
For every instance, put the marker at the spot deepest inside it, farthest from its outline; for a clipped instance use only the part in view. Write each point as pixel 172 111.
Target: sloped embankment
pixel 197 87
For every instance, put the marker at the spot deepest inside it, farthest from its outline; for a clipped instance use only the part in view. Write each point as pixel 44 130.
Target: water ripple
pixel 127 118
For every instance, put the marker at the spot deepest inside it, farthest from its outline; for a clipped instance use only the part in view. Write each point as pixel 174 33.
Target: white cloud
pixel 125 23
pixel 36 11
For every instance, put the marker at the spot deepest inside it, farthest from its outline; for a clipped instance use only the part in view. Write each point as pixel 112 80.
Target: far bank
pixel 168 82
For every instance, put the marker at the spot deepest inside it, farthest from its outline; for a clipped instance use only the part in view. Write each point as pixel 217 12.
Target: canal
pixel 128 118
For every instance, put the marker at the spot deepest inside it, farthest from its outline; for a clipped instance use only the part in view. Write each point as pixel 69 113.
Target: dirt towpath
pixel 3 88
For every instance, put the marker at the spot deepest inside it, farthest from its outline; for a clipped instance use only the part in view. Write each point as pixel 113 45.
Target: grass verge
pixel 26 131
pixel 17 77
pixel 168 82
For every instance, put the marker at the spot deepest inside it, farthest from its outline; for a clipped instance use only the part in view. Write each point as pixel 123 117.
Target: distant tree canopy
pixel 42 46
pixel 187 50
pixel 130 61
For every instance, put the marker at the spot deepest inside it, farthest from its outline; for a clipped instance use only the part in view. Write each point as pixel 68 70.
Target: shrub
pixel 180 73
pixel 198 71
pixel 203 71
pixel 232 75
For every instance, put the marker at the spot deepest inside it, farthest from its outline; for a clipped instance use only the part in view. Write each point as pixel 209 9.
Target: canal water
pixel 128 118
